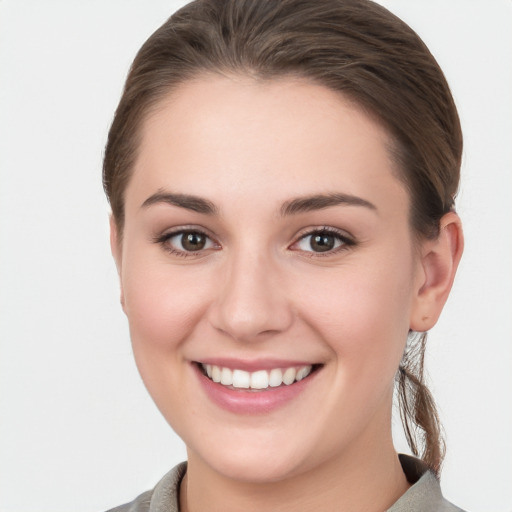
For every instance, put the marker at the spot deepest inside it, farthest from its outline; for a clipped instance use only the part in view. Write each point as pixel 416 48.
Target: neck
pixel 369 482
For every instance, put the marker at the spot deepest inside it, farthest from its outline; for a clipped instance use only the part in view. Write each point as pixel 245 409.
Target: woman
pixel 282 177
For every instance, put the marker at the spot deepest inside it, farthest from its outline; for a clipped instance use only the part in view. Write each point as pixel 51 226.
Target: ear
pixel 439 261
pixel 115 248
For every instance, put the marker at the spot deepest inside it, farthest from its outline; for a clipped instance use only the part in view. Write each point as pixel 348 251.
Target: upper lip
pixel 251 365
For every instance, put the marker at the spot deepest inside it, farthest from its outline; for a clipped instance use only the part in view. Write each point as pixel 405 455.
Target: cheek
pixel 363 315
pixel 163 303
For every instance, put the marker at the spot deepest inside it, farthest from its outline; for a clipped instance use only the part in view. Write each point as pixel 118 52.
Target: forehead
pixel 228 135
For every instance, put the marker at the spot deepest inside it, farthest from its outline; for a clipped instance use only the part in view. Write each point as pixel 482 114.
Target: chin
pixel 256 470
pixel 258 461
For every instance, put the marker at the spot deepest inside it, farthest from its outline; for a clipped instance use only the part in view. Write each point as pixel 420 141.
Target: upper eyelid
pixel 170 232
pixel 323 229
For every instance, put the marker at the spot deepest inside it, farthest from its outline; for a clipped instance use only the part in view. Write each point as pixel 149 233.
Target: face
pixel 267 245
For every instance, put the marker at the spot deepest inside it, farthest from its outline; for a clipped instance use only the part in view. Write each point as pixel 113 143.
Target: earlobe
pixel 439 261
pixel 115 248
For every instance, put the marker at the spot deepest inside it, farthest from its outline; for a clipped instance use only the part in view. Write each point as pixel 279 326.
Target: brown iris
pixel 322 242
pixel 193 241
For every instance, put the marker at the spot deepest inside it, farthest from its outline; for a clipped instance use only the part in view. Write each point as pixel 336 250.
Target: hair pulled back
pixel 355 47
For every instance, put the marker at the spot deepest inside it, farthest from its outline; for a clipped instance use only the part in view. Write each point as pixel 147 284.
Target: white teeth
pixel 261 379
pixel 215 374
pixel 289 376
pixel 275 378
pixel 303 373
pixel 226 377
pixel 241 379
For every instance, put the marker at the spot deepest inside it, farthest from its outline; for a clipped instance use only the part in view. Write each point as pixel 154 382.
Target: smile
pixel 255 387
pixel 257 380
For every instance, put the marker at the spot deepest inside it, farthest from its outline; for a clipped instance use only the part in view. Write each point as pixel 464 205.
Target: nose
pixel 252 301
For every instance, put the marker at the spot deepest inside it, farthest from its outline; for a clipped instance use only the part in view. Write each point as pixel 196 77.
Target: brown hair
pixel 355 47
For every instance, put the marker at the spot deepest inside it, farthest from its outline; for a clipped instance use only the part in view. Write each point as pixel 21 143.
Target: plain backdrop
pixel 78 431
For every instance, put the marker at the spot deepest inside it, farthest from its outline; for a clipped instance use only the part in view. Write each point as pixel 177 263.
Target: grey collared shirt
pixel 424 495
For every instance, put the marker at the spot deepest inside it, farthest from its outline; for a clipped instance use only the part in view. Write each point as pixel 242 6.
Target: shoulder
pixel 139 504
pixel 163 498
pixel 425 494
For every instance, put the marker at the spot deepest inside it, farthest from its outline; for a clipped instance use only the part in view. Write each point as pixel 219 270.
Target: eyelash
pixel 345 241
pixel 164 239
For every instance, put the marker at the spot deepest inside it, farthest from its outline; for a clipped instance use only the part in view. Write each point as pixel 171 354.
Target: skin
pixel 258 290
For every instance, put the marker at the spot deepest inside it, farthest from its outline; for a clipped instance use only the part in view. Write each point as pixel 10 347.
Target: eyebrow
pixel 189 202
pixel 321 201
pixel 292 207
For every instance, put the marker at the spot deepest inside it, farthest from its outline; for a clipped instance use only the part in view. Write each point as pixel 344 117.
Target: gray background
pixel 78 431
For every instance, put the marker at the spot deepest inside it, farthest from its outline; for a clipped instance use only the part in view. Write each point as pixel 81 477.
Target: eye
pixel 186 242
pixel 323 241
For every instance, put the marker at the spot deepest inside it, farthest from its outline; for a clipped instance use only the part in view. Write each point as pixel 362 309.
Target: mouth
pixel 259 380
pixel 255 387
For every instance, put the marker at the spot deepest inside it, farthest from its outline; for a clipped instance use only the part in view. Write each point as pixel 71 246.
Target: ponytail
pixel 418 411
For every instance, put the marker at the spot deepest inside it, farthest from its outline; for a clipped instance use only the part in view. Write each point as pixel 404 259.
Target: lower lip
pixel 245 401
